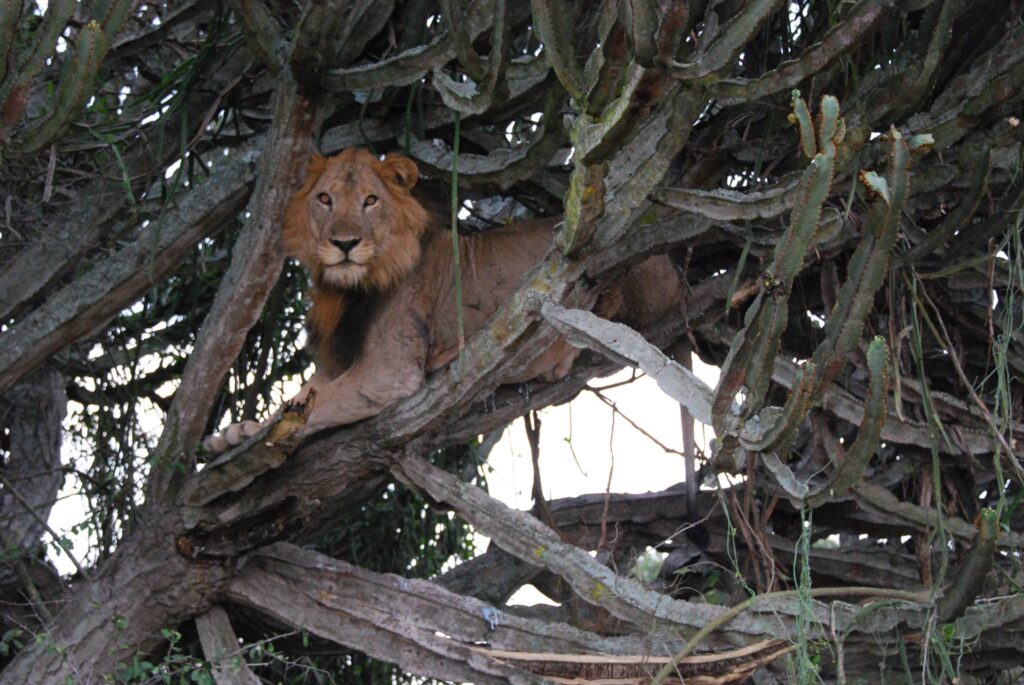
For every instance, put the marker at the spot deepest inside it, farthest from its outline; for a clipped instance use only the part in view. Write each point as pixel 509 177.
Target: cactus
pixel 868 267
pixel 751 358
pixel 970 576
pixel 554 29
pixel 780 434
pixel 469 98
pixel 10 13
pixel 111 15
pixel 78 73
pixel 75 87
pixel 24 67
pixel 851 468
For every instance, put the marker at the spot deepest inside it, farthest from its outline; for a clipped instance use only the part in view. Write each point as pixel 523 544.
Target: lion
pixel 383 293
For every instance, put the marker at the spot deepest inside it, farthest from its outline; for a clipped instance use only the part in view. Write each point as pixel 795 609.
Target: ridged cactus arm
pixel 766 343
pixel 850 470
pixel 44 39
pixel 869 265
pixel 726 47
pixel 831 127
pixel 812 193
pixel 262 32
pixel 452 11
pixel 751 358
pixel 958 218
pixel 814 186
pixel 778 432
pixel 111 15
pixel 468 98
pixel 553 25
pixel 969 579
pixel 73 90
pixel 641 20
pixel 10 15
pixel 25 66
pixel 734 368
pixel 801 116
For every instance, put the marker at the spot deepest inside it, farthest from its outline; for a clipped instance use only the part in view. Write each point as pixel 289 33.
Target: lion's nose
pixel 345 245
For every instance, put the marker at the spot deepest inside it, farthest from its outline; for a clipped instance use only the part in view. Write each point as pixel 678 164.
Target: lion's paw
pixel 235 434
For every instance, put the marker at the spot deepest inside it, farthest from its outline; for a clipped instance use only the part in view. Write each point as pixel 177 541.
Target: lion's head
pixel 355 227
pixel 354 224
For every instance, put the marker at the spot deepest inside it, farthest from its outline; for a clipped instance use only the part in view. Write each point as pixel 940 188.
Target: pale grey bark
pixel 221 648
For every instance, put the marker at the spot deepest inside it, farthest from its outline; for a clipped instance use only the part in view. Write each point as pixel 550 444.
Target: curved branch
pixel 849 33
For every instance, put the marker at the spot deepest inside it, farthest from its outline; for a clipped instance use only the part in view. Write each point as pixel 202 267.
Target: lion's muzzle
pixel 345 245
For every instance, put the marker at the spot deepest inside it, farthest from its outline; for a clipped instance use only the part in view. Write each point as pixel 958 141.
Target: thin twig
pixel 608 488
pixel 540 505
pixel 853 591
pixel 944 339
pixel 41 521
pixel 631 422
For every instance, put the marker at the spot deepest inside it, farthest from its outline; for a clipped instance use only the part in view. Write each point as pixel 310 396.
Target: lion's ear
pixel 316 166
pixel 400 170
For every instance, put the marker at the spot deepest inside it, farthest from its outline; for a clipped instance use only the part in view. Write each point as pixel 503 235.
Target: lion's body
pixel 383 309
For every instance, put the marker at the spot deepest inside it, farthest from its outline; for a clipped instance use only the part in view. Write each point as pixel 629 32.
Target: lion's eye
pixel 324 199
pixel 370 200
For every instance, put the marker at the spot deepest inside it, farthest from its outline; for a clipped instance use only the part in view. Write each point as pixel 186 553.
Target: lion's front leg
pixel 235 434
pixel 391 367
pixel 361 392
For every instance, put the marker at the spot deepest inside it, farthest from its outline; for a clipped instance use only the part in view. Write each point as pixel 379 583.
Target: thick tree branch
pixel 256 263
pixel 846 35
pixel 620 343
pixel 88 303
pixel 220 646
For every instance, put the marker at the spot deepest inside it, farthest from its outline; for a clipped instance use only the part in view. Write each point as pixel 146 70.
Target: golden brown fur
pixel 383 312
pixel 389 232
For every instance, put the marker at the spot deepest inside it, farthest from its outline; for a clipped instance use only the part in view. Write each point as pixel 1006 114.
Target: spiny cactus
pixel 869 265
pixel 111 15
pixel 969 579
pixel 78 72
pixel 24 64
pixel 850 469
pixel 74 89
pixel 752 355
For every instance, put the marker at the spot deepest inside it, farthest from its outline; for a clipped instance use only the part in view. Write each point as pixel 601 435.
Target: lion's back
pixel 492 265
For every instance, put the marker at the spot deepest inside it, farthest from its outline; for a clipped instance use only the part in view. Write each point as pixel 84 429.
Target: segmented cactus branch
pixel 752 355
pixel 849 467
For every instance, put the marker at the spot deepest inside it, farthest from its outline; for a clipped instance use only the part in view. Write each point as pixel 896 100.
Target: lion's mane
pixel 339 316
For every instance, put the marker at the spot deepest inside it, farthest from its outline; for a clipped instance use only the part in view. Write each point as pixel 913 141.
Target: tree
pixel 838 183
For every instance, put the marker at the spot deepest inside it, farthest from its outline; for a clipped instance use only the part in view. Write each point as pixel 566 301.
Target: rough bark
pixel 651 127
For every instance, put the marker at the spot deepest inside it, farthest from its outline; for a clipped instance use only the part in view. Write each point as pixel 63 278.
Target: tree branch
pixel 88 303
pixel 255 265
pixel 624 345
pixel 220 646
